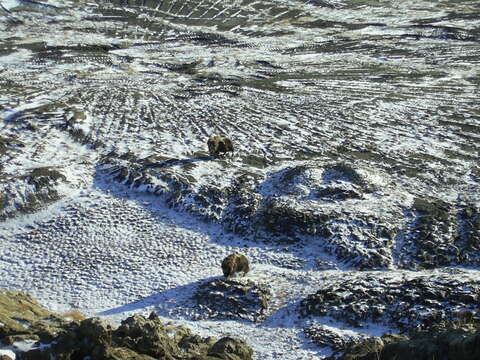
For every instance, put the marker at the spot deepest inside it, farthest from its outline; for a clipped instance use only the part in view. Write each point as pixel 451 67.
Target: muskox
pixel 219 144
pixel 235 263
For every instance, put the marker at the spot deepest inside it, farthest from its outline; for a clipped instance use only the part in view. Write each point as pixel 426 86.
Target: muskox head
pixel 235 263
pixel 219 144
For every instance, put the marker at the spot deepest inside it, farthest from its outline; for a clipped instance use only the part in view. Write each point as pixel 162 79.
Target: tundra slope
pixel 356 147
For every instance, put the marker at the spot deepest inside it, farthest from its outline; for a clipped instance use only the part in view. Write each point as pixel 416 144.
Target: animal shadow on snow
pixel 176 162
pixel 289 250
pixel 175 303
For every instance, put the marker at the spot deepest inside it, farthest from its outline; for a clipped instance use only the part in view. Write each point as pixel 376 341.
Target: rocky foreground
pixel 35 333
pixel 31 332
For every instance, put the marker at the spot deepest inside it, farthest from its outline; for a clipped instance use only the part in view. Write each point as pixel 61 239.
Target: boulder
pixel 147 336
pixel 195 344
pixel 371 346
pixel 326 337
pixel 455 344
pixel 95 330
pixel 228 348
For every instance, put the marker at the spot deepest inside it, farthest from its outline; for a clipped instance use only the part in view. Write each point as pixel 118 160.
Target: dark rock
pixel 37 354
pixel 41 177
pixel 360 349
pixel 195 344
pixel 160 176
pixel 244 204
pixel 47 329
pixel 440 234
pixel 40 188
pixel 9 144
pixel 232 299
pixel 96 331
pixel 146 336
pixel 325 337
pixel 449 345
pixel 280 217
pixel 228 348
pixel 407 304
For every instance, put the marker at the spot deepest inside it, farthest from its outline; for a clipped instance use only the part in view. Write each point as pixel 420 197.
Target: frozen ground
pixel 355 126
pixel 113 253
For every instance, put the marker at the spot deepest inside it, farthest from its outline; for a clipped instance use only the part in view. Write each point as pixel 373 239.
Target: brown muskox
pixel 219 144
pixel 235 263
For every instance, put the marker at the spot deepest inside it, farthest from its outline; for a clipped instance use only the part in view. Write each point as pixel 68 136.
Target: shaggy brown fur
pixel 235 263
pixel 219 144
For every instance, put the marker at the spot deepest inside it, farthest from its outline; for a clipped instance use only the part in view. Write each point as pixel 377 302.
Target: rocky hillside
pixel 353 188
pixel 351 135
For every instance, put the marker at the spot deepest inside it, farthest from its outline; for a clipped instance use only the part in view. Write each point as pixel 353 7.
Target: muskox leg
pixel 228 145
pixel 212 147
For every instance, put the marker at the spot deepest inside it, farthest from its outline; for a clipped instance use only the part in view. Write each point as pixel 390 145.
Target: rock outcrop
pixel 21 317
pixel 448 340
pixel 31 191
pixel 406 303
pixel 232 299
pixel 440 234
pixel 454 344
pixel 357 213
pixel 138 337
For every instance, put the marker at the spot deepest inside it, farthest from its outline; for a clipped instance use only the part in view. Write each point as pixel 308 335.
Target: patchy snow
pixel 112 250
pixel 146 258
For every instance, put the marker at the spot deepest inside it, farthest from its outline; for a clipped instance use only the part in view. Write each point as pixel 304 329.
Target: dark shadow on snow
pixel 292 246
pixel 176 162
pixel 171 302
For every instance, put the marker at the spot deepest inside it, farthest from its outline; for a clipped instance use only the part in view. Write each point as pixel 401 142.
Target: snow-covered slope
pixel 356 141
